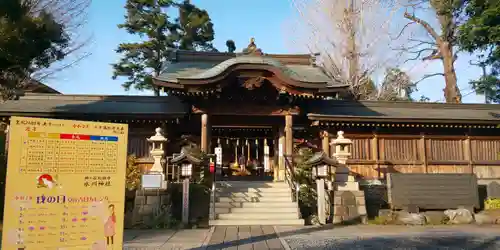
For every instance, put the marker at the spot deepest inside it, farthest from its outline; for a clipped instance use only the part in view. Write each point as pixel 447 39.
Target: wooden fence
pixel 375 155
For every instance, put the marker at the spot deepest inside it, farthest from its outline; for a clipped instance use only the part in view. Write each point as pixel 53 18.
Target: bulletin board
pixel 65 185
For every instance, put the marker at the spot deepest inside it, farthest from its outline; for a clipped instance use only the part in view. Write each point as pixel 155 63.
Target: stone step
pixel 252 194
pixel 258 216
pixel 294 222
pixel 251 184
pixel 254 199
pixel 274 205
pixel 254 190
pixel 269 210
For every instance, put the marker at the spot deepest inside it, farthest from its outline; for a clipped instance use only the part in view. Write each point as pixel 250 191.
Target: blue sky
pixel 266 20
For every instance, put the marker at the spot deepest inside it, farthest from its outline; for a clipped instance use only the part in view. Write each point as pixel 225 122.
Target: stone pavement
pixel 322 237
pixel 220 237
pixel 165 239
pixel 244 238
pixel 391 237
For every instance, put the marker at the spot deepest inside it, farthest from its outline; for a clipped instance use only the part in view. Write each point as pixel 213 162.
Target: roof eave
pixel 321 117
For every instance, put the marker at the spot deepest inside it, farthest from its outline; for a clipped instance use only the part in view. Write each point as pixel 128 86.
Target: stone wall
pixel 349 207
pixel 149 206
pixel 159 208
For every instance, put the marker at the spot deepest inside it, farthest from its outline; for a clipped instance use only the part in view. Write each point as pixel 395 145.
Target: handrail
pixel 292 182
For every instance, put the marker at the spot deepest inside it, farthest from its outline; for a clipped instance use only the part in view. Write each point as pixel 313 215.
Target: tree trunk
pixel 451 91
pixel 156 89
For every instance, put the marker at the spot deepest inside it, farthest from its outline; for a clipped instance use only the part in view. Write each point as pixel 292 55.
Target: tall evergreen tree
pixel 481 34
pixel 141 61
pixel 149 20
pixel 29 41
pixel 195 28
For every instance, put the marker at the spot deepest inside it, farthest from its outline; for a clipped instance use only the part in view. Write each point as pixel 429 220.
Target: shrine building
pixel 243 102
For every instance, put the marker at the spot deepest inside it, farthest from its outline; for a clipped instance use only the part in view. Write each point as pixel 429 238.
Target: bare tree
pixel 437 43
pixel 73 14
pixel 352 38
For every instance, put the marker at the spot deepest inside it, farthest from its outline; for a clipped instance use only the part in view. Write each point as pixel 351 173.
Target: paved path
pixel 165 239
pixel 220 237
pixel 392 237
pixel 244 238
pixel 369 237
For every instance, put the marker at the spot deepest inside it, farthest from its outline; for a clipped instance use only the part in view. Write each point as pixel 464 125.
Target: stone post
pixel 348 201
pixel 149 201
pixel 325 146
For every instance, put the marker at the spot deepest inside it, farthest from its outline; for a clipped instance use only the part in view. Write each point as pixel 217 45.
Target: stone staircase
pixel 254 203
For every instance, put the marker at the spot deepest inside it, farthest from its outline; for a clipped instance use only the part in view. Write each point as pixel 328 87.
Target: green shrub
pixel 492 203
pixel 307 190
pixel 133 174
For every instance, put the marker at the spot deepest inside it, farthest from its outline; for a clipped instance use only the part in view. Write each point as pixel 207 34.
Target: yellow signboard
pixel 65 185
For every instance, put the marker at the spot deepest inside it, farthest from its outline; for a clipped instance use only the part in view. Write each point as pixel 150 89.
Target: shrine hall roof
pixel 334 110
pixel 190 65
pixel 56 104
pixel 47 105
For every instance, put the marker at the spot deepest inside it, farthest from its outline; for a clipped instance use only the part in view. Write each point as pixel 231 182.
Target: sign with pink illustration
pixel 65 185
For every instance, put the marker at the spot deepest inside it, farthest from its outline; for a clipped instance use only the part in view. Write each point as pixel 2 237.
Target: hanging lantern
pixel 227 141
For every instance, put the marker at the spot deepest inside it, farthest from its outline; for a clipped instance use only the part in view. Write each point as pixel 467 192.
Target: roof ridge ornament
pixel 252 49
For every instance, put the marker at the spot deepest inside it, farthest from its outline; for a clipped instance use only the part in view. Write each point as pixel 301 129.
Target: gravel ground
pixel 449 239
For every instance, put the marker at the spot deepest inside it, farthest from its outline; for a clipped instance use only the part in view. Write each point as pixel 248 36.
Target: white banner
pixel 267 167
pixel 218 154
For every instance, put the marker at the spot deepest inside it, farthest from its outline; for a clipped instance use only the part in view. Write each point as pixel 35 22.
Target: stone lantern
pixel 342 147
pixel 157 151
pixel 343 179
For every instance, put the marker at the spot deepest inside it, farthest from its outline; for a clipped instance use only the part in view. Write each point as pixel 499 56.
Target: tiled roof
pixel 397 111
pixel 93 105
pixel 205 70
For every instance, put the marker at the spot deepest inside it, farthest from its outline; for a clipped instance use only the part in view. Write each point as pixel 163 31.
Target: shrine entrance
pixel 248 153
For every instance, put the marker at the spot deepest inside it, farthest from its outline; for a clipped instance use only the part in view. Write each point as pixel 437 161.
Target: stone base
pixel 148 205
pixel 347 186
pixel 349 207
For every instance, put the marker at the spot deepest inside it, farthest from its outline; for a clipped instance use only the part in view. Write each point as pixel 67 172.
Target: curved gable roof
pixel 198 68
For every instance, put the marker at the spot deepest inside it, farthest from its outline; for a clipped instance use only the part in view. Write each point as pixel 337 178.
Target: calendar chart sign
pixel 65 185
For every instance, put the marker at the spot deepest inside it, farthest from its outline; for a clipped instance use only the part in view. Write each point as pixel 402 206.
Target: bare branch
pixel 424 24
pixel 429 76
pixel 352 37
pixel 402 31
pixel 421 41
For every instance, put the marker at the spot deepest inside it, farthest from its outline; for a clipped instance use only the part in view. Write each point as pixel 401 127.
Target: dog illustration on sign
pixel 46 181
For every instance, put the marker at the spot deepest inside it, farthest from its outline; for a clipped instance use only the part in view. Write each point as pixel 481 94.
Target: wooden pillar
pixel 468 154
pixel 376 155
pixel 288 149
pixel 205 134
pixel 279 174
pixel 325 142
pixel 422 145
pixel 288 136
